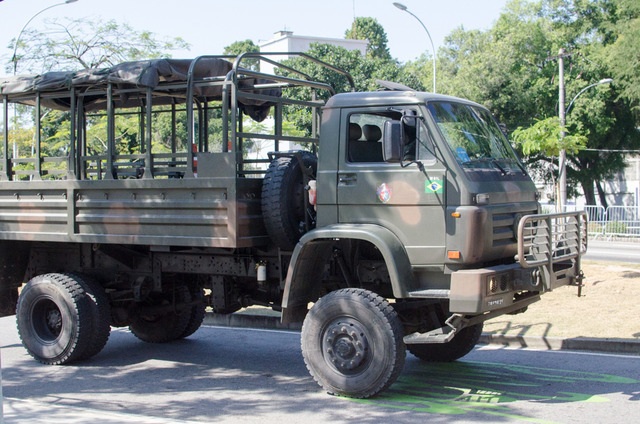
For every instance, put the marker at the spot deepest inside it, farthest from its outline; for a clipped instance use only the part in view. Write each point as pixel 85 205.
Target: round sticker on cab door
pixel 384 193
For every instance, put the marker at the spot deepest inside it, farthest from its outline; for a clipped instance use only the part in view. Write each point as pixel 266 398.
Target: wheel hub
pixel 54 320
pixel 46 320
pixel 345 345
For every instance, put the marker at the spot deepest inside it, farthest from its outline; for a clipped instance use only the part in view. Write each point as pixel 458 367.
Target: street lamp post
pixel 563 153
pixel 14 58
pixel 405 9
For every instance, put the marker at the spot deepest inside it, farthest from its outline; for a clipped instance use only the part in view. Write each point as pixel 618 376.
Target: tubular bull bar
pixel 550 245
pixel 553 243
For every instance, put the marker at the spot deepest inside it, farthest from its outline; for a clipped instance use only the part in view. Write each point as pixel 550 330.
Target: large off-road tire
pixel 54 316
pixel 197 314
pixel 352 343
pixel 100 315
pixel 283 199
pixel 166 326
pixel 459 346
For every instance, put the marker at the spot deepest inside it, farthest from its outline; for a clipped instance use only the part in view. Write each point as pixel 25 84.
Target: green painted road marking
pixel 478 387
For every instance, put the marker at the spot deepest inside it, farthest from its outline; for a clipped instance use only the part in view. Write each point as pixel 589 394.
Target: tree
pixel 508 69
pixel 247 46
pixel 545 137
pixel 365 70
pixel 617 23
pixel 369 29
pixel 70 44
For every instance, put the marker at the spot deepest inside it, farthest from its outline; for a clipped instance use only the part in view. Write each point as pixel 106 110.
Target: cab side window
pixel 365 137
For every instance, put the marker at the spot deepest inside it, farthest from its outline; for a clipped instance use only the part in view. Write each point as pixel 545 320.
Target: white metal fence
pixel 614 221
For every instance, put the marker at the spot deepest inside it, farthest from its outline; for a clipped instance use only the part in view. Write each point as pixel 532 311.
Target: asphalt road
pixel 226 375
pixel 613 251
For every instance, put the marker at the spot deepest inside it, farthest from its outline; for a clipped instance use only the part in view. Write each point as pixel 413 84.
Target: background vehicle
pixel 401 232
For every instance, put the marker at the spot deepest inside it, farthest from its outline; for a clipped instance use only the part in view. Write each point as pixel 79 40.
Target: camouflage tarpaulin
pixel 143 74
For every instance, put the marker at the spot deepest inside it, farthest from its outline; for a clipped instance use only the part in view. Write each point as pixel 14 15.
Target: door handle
pixel 345 179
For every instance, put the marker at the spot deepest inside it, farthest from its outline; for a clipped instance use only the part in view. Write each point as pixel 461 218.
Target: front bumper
pixel 476 291
pixel 549 251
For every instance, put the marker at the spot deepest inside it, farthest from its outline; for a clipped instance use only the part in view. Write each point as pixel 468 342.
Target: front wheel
pixel 352 343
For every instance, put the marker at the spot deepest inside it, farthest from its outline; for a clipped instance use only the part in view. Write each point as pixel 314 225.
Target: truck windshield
pixel 474 137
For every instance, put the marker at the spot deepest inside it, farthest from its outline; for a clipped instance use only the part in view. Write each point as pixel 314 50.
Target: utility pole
pixel 561 200
pixel 562 180
pixel 562 161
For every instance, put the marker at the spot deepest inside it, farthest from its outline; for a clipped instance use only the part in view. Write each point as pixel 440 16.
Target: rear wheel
pixel 197 314
pixel 163 318
pixel 459 346
pixel 54 316
pixel 100 315
pixel 352 343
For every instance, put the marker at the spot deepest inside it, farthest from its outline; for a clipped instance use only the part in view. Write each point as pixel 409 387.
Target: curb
pixel 623 346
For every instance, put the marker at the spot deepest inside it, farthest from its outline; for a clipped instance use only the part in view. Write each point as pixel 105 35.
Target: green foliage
pixel 70 44
pixel 617 25
pixel 365 71
pixel 369 29
pixel 247 46
pixel 545 137
pixel 616 227
pixel 508 68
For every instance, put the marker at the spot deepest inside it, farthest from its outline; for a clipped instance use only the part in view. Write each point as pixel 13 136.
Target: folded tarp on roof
pixel 139 74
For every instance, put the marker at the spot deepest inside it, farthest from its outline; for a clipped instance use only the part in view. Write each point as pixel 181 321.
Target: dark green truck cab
pixel 406 223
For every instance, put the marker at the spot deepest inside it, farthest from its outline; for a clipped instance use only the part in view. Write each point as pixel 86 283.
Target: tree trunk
pixel 602 195
pixel 589 193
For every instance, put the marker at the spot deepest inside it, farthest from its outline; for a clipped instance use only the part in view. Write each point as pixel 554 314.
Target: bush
pixel 616 227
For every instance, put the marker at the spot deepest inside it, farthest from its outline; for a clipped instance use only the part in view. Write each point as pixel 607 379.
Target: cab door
pixel 402 198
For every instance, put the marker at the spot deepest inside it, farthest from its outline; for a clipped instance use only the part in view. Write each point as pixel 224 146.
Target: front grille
pixel 503 229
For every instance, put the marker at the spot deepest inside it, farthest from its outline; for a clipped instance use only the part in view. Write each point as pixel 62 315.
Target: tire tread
pixel 390 318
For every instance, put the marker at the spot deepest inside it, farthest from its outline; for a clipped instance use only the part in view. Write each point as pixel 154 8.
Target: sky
pixel 210 25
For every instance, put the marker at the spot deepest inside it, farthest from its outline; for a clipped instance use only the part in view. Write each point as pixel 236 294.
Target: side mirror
pixel 393 141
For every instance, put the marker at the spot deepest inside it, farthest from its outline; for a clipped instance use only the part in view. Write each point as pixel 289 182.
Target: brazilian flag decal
pixel 435 186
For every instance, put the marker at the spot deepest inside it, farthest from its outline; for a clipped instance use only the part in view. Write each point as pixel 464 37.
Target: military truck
pixel 146 193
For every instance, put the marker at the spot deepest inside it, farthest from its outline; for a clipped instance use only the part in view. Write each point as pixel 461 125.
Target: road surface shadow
pixel 226 372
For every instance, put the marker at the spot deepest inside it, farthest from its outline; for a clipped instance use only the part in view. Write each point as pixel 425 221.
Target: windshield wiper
pixel 492 161
pixel 524 171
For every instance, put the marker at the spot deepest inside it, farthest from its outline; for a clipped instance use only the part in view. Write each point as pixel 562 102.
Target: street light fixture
pixel 563 153
pixel 602 81
pixel 405 9
pixel 14 59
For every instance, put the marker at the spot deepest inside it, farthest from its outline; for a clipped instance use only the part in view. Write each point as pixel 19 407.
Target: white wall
pixel 286 41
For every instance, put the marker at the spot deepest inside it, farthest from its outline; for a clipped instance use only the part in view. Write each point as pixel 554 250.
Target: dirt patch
pixel 608 308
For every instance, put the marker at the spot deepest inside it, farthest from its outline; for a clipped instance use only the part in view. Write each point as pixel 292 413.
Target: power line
pixel 637 152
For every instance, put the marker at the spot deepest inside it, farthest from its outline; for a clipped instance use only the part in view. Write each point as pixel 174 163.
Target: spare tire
pixel 284 207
